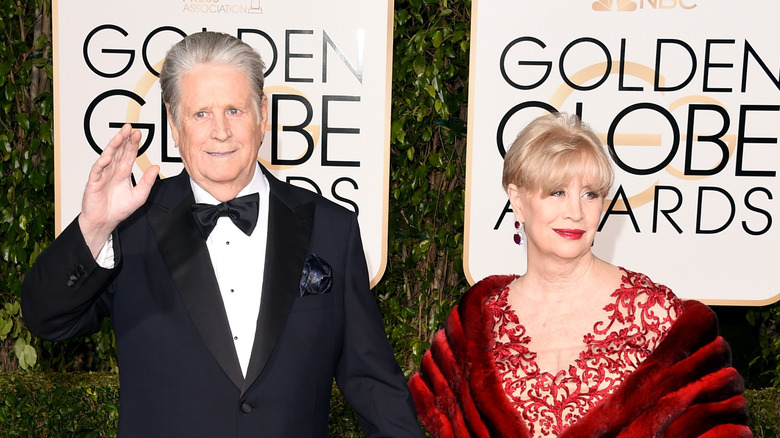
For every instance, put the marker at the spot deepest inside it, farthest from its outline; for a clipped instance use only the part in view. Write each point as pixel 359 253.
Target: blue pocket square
pixel 315 278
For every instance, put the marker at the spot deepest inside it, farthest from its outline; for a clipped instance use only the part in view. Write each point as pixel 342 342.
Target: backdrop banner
pixel 328 79
pixel 685 93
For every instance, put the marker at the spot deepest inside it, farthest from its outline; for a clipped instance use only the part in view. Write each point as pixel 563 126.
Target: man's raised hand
pixel 110 196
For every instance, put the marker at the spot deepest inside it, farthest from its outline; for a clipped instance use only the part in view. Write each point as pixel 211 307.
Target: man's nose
pixel 221 128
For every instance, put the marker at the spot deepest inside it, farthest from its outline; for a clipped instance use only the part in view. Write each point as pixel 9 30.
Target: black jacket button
pixel 246 408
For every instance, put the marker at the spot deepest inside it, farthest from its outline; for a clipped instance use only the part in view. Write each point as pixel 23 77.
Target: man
pixel 225 327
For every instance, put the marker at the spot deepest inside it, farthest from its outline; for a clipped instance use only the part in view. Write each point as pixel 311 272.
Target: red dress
pixel 672 376
pixel 630 328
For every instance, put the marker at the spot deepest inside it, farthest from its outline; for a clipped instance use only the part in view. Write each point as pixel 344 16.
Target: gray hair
pixel 204 48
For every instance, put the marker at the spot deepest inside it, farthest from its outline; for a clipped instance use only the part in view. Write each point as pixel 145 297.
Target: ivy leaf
pixel 437 37
pixel 5 143
pixel 23 121
pixel 6 327
pixel 40 43
pixel 419 65
pixel 25 353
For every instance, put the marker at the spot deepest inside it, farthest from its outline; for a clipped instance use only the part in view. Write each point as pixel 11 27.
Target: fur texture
pixel 685 388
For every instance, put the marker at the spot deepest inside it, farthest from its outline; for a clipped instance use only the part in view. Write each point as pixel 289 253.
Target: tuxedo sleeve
pixel 367 372
pixel 63 293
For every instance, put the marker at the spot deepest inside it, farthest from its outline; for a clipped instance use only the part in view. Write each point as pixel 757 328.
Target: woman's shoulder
pixel 643 292
pixel 642 281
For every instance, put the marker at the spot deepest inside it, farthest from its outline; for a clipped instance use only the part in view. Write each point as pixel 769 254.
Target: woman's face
pixel 560 224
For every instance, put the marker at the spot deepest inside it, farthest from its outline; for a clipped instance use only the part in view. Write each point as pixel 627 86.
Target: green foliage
pixel 764 405
pixel 59 405
pixel 27 157
pixel 767 319
pixel 424 276
pixel 13 332
pixel 27 189
pixel 343 421
pixel 85 405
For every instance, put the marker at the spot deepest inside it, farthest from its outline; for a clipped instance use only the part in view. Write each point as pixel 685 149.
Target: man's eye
pixel 200 114
pixel 233 111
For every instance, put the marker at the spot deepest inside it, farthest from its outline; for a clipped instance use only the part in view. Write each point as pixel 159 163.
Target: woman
pixel 575 347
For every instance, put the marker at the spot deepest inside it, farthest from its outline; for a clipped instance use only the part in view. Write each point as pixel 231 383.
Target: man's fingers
pixel 135 137
pixel 118 157
pixel 128 151
pixel 115 144
pixel 147 180
pixel 119 140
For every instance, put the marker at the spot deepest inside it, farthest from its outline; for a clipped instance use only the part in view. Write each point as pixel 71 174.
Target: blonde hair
pixel 554 149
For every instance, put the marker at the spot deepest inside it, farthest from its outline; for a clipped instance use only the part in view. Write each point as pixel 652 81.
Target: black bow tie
pixel 242 211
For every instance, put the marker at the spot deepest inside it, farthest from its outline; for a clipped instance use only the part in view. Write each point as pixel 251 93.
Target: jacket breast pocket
pixel 308 303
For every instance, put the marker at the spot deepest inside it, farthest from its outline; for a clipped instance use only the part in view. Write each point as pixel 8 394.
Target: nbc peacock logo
pixel 631 5
pixel 614 5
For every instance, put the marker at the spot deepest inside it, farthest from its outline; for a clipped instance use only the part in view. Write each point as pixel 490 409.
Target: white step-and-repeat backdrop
pixel 686 93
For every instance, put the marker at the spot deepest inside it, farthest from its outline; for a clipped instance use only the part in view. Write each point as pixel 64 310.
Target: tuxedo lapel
pixel 289 232
pixel 186 256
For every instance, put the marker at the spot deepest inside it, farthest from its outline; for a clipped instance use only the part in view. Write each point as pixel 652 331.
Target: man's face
pixel 219 132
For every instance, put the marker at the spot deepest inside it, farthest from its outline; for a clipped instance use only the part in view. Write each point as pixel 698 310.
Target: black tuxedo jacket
pixel 179 372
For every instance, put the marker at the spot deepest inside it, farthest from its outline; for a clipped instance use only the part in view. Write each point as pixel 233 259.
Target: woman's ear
pixel 516 196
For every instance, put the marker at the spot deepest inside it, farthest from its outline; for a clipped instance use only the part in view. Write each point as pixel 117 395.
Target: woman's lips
pixel 569 233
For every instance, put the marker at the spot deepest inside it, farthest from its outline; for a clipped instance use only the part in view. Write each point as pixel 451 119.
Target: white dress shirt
pixel 239 262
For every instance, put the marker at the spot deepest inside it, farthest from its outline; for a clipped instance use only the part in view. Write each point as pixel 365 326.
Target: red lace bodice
pixel 629 330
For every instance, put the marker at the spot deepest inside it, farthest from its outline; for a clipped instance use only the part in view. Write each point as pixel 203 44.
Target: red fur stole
pixel 685 388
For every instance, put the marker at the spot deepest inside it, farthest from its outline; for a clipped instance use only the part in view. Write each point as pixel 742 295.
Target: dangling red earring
pixel 518 237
